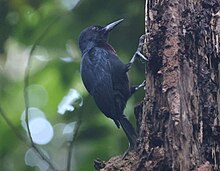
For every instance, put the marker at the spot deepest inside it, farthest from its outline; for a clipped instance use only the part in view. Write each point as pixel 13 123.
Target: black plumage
pixel 105 76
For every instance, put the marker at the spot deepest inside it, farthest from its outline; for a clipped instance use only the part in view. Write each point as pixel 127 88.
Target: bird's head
pixel 94 35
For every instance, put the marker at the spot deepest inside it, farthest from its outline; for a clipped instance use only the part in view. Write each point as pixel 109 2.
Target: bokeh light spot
pixel 32 158
pixel 41 130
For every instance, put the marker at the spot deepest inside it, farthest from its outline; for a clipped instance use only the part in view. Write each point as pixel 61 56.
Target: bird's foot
pixel 143 84
pixel 138 53
pixel 134 88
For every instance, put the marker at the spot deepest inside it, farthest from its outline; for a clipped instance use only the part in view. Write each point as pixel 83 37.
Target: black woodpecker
pixel 105 76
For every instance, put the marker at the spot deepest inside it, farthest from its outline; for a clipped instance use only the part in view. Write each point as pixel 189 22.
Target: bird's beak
pixel 110 26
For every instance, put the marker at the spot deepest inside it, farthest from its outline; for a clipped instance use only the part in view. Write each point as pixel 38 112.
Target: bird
pixel 105 77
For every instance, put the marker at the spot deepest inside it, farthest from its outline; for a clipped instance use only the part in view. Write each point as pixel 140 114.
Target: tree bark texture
pixel 181 107
pixel 178 122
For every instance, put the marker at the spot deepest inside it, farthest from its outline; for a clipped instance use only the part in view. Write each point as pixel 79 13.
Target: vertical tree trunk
pixel 179 121
pixel 181 109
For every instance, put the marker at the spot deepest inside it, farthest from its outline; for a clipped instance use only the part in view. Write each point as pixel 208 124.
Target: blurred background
pixel 55 75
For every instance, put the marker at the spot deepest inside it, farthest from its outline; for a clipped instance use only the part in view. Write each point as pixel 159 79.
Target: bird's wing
pixel 96 76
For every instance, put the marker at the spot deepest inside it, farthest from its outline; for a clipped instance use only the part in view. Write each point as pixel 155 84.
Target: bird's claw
pixel 140 48
pixel 141 42
pixel 138 53
pixel 143 84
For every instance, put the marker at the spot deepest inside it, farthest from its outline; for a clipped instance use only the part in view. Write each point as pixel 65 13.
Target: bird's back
pixel 105 78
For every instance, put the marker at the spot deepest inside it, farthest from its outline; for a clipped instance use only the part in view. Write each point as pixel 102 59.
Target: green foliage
pixel 21 24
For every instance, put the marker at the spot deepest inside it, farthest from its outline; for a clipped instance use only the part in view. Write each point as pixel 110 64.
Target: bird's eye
pixel 95 28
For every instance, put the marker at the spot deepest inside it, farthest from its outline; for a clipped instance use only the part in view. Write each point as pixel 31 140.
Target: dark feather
pixel 96 66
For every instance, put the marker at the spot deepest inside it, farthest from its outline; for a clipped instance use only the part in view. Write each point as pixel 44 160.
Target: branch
pixel 11 125
pixel 26 94
pixel 75 134
pixel 69 155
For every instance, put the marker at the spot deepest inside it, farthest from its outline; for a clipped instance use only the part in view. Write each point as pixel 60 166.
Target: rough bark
pixel 178 122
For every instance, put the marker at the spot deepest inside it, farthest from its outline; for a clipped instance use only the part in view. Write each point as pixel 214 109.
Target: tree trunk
pixel 178 122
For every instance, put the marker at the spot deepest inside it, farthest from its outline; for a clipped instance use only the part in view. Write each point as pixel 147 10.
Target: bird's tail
pixel 129 131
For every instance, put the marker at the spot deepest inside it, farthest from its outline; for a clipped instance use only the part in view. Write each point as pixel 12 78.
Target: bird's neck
pixel 87 47
pixel 107 46
pixel 104 45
